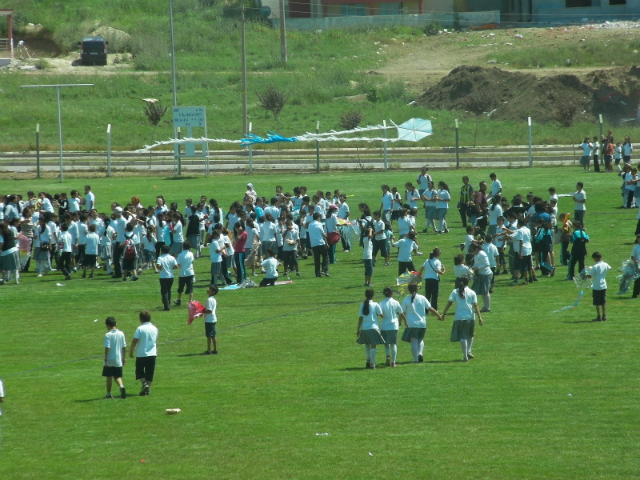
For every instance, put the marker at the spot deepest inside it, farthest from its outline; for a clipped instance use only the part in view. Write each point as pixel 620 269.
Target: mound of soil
pixel 514 96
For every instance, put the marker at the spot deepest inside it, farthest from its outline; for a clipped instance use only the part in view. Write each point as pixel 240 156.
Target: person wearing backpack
pixel 544 240
pixel 579 239
pixel 129 256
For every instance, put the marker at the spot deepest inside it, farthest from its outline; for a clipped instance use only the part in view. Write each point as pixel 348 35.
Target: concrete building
pixel 558 11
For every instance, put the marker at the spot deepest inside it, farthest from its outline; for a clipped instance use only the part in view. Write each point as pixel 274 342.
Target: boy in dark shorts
pixel 210 321
pixel 598 273
pixel 114 356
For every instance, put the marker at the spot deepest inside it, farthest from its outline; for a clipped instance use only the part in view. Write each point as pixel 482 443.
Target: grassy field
pixel 116 100
pixel 549 395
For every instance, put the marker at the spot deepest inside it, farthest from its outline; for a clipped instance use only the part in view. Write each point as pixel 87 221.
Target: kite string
pixel 575 304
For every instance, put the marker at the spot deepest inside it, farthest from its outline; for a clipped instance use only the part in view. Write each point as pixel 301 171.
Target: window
pixel 577 3
pixel 617 2
pixel 354 9
pixel 390 8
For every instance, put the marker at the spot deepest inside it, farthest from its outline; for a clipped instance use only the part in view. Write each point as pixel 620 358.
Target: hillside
pixel 376 71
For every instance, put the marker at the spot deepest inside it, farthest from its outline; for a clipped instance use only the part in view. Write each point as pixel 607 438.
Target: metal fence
pixel 308 160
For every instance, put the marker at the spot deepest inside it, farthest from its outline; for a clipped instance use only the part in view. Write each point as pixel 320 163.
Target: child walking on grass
pixel 598 273
pixel 464 322
pixel 115 350
pixel 368 332
pixel 389 326
pixel 415 308
pixel 367 256
pixel 406 246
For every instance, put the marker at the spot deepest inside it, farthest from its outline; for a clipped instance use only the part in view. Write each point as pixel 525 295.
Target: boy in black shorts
pixel 114 356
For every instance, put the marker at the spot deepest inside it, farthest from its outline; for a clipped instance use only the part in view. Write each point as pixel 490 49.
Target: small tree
pixel 350 119
pixel 273 100
pixel 564 112
pixel 154 111
pixel 478 103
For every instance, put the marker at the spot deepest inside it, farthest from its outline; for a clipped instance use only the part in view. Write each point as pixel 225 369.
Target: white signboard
pixel 189 117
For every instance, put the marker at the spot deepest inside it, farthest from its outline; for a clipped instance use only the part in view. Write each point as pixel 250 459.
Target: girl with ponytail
pixel 368 332
pixel 415 308
pixel 464 320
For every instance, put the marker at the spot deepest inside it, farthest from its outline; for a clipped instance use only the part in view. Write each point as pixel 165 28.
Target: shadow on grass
pixel 581 321
pixel 181 177
pixel 99 398
pixel 444 361
pixel 194 355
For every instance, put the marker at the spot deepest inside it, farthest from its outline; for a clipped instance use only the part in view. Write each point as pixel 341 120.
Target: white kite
pixel 412 130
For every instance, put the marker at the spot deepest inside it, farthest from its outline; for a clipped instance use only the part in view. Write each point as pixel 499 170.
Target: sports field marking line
pixel 186 338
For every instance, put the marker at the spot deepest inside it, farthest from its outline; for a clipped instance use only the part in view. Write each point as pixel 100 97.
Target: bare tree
pixel 154 111
pixel 273 100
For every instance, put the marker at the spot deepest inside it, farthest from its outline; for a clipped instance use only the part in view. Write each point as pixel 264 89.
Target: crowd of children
pixel 514 237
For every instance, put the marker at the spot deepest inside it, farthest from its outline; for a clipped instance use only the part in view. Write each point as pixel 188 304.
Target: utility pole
pixel 283 33
pixel 244 75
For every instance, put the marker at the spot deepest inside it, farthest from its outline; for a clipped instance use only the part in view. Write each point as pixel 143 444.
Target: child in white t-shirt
pixel 114 357
pixel 186 274
pixel 270 266
pixel 216 247
pixel 461 270
pixel 389 325
pixel 149 249
pixel 598 273
pixel 367 256
pixel 210 321
pixel 406 246
pixel 499 242
pixel 368 332
pixel 494 257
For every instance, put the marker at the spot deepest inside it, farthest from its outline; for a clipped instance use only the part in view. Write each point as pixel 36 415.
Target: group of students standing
pixel 604 151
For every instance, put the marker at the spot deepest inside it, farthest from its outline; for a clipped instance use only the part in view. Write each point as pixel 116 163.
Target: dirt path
pixel 422 63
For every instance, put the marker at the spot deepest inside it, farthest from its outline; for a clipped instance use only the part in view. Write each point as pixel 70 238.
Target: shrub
pixel 272 100
pixel 564 112
pixel 432 28
pixel 42 64
pixel 372 94
pixel 68 35
pixel 150 52
pixel 350 119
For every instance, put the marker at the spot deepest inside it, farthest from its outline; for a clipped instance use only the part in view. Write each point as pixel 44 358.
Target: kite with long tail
pixel 412 130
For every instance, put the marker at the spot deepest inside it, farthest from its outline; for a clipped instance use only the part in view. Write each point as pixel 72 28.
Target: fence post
pixel 109 150
pixel 179 154
pixel 250 151
pixel 530 141
pixel 38 149
pixel 386 163
pixel 457 145
pixel 317 148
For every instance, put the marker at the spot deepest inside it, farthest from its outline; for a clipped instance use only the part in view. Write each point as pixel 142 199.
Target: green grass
pixel 116 100
pixel 590 53
pixel 289 367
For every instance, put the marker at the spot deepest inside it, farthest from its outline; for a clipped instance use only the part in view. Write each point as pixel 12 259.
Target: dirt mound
pixel 119 41
pixel 515 96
